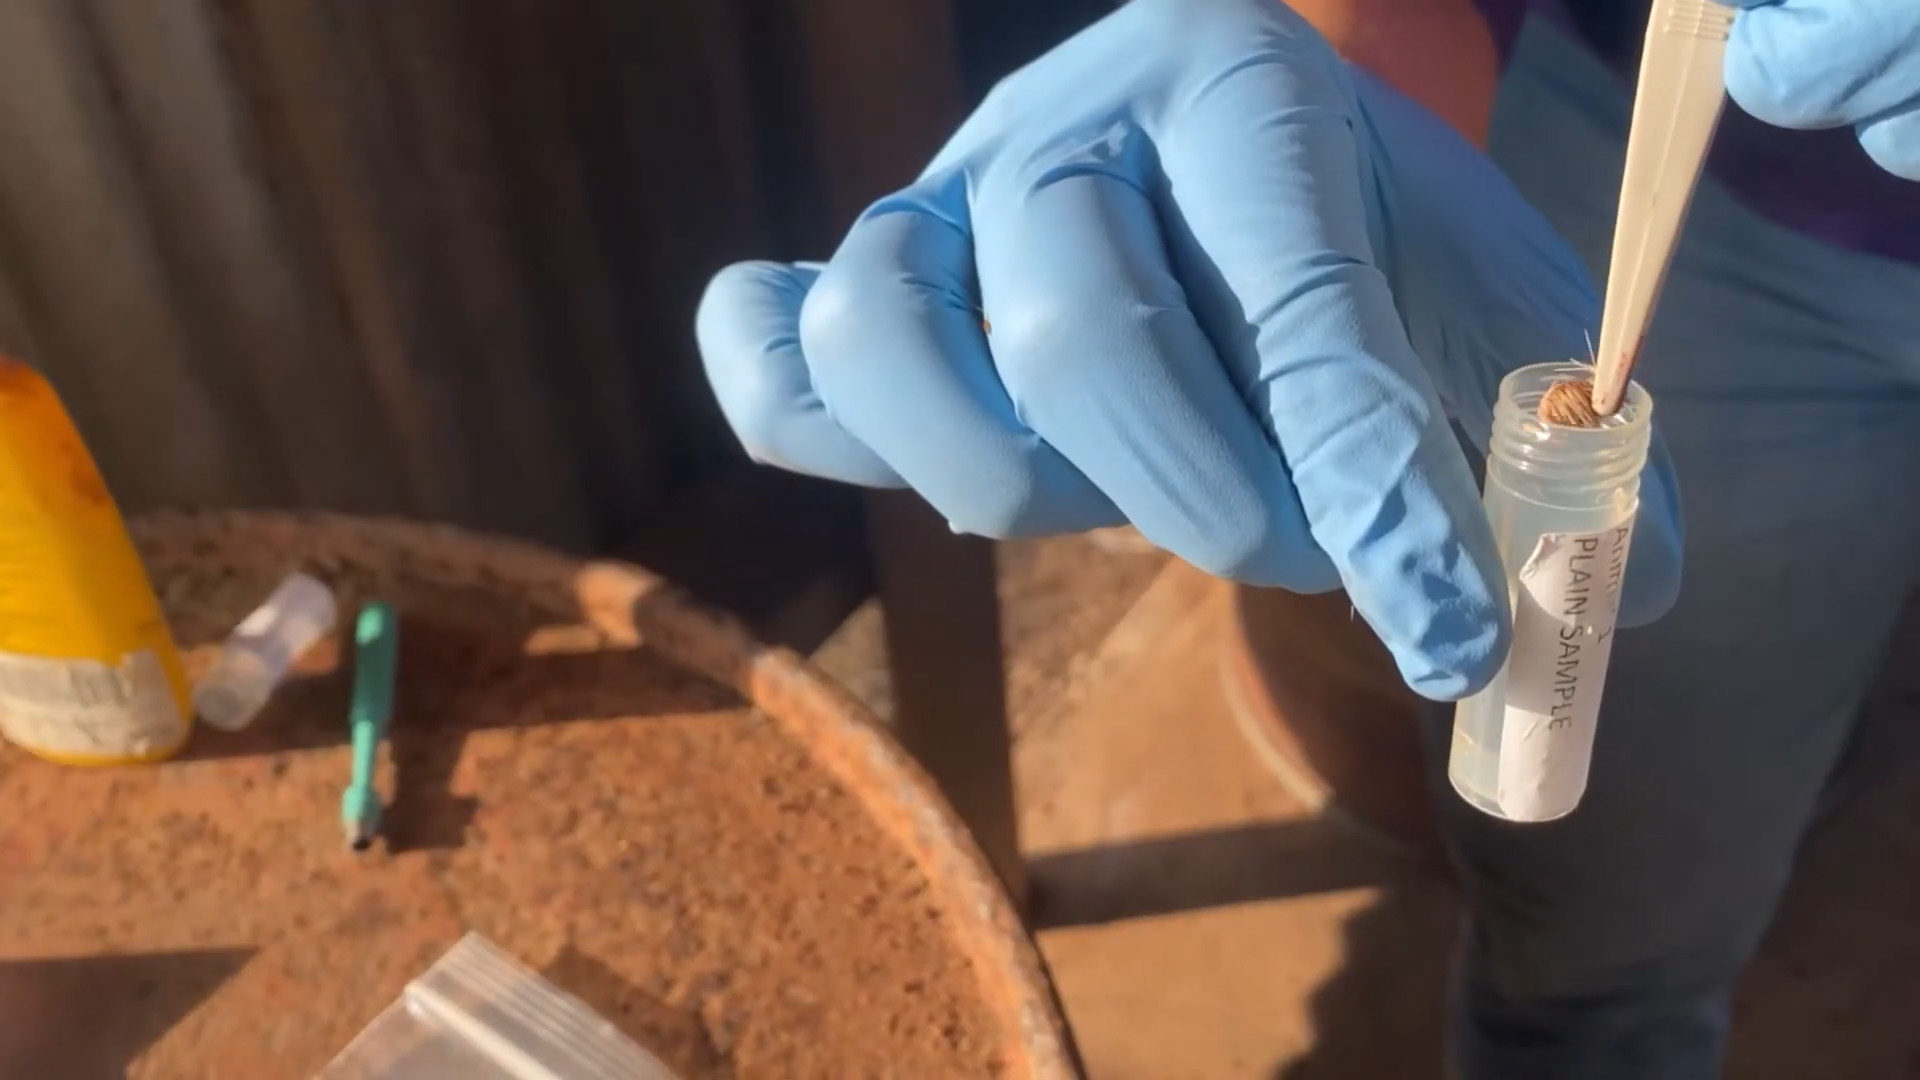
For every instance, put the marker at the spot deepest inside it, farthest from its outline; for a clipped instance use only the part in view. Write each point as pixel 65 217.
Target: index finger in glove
pixel 748 330
pixel 1267 177
pixel 1822 64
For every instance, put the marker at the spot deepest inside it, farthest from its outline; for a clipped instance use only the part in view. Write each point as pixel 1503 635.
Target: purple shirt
pixel 1820 183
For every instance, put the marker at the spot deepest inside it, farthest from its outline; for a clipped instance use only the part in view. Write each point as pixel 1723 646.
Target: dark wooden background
pixel 436 257
pixel 439 258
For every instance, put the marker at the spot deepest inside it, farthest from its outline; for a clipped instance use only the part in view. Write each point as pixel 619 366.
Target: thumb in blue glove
pixel 1191 272
pixel 1833 63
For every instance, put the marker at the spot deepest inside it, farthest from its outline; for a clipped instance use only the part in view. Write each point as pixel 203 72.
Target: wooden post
pixel 942 614
pixel 884 91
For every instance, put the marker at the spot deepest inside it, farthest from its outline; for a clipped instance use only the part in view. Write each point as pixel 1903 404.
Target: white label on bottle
pixel 87 708
pixel 1563 618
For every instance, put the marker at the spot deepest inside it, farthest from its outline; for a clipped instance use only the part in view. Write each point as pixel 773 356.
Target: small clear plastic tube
pixel 1562 501
pixel 256 656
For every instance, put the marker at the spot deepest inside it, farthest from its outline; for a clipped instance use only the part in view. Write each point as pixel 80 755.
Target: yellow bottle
pixel 88 670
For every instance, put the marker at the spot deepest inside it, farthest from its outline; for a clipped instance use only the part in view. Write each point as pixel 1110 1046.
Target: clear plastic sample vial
pixel 256 656
pixel 1562 501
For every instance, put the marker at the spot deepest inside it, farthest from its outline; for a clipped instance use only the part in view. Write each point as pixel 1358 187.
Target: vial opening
pixel 1552 387
pixel 1539 387
pixel 1573 462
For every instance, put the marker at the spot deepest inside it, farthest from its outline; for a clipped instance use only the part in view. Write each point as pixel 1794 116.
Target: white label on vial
pixel 1563 618
pixel 86 708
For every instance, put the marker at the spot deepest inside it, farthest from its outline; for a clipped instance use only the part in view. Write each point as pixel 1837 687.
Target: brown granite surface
pixel 715 882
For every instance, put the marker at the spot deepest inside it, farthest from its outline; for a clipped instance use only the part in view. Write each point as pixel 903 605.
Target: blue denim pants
pixel 1786 376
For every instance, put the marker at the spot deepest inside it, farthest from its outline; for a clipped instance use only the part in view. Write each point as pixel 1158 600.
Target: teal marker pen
pixel 376 639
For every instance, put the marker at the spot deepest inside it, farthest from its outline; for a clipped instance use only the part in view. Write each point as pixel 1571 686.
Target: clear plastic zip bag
pixel 478 1014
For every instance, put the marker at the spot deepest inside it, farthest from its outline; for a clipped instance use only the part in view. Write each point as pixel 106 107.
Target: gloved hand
pixel 1829 63
pixel 1190 271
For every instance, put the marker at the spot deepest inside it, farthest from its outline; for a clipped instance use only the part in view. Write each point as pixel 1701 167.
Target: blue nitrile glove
pixel 1234 289
pixel 1833 63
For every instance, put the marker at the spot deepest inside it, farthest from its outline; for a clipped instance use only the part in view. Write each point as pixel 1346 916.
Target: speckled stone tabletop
pixel 658 841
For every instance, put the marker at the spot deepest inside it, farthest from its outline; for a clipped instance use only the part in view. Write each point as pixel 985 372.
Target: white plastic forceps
pixel 1676 106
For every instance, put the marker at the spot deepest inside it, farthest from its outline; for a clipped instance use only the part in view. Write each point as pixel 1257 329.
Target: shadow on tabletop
pixel 53 1012
pixel 1380 1015
pixel 677 1036
pixel 1383 1013
pixel 453 681
pixel 1203 869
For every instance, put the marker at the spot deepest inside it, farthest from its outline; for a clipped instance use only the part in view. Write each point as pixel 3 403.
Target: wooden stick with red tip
pixel 1676 106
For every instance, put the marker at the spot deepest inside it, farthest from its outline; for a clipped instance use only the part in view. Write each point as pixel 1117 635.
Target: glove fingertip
pixel 1752 71
pixel 1439 604
pixel 1894 144
pixel 1464 659
pixel 754 288
pixel 747 331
